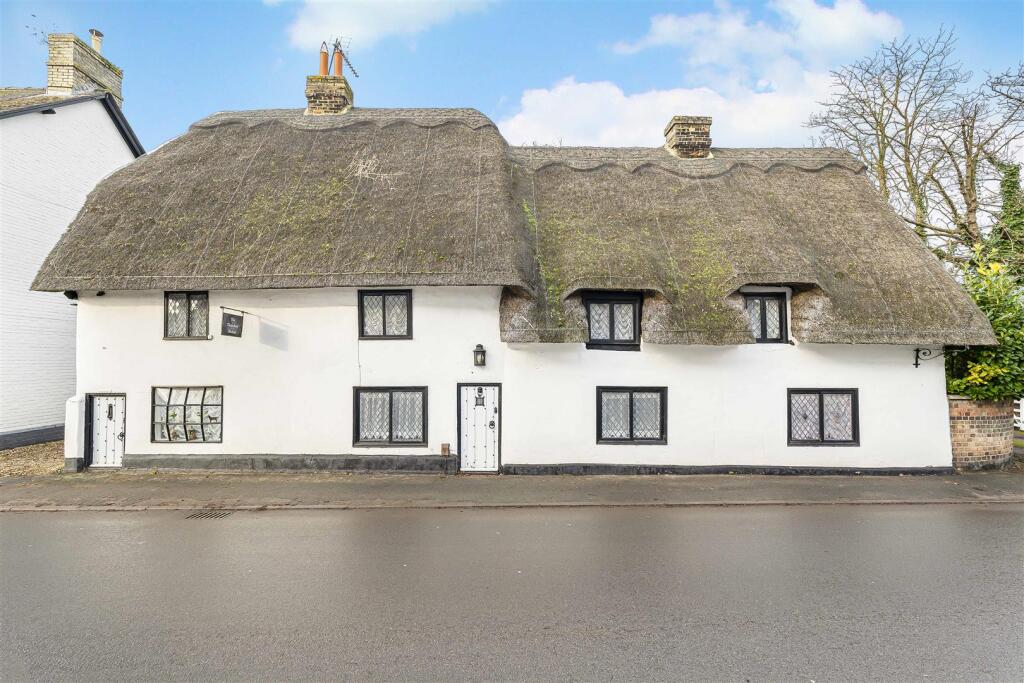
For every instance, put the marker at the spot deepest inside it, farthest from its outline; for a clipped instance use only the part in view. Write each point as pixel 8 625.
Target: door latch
pixel 491 425
pixel 120 436
pixel 110 411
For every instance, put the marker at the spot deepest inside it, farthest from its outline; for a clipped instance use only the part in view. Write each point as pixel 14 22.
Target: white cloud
pixel 759 80
pixel 367 21
pixel 600 113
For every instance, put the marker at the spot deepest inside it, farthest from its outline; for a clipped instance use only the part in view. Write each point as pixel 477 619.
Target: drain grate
pixel 208 514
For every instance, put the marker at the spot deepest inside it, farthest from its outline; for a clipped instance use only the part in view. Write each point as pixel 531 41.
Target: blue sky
pixel 548 72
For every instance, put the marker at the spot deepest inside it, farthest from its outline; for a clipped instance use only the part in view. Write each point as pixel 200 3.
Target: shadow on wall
pixel 273 335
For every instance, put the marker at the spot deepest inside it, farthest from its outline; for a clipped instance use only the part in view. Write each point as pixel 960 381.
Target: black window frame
pixel 612 298
pixel 762 338
pixel 661 440
pixel 171 387
pixel 407 293
pixel 189 294
pixel 390 443
pixel 821 441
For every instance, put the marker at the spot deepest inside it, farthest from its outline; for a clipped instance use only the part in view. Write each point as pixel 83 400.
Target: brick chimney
pixel 328 94
pixel 689 137
pixel 74 67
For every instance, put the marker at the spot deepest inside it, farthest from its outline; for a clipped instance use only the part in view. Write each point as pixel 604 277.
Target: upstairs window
pixel 613 320
pixel 631 414
pixel 385 314
pixel 767 316
pixel 186 315
pixel 823 417
pixel 390 416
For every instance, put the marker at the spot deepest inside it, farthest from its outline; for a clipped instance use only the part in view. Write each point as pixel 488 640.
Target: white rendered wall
pixel 288 380
pixel 726 405
pixel 288 383
pixel 48 165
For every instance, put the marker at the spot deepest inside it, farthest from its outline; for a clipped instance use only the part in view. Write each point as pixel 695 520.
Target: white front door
pixel 107 431
pixel 479 427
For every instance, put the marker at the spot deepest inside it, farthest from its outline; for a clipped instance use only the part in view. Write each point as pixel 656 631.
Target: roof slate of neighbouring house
pixel 21 98
pixel 272 199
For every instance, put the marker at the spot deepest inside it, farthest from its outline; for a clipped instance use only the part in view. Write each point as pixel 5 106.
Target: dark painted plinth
pixel 591 469
pixel 27 437
pixel 430 464
pixel 74 464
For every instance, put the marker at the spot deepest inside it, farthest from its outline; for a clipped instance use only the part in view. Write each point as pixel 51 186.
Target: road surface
pixel 820 593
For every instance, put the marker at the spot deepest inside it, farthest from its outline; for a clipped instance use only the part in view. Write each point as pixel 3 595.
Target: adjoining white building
pixel 373 288
pixel 56 143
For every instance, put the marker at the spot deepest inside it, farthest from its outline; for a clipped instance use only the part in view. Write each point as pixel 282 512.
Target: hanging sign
pixel 231 324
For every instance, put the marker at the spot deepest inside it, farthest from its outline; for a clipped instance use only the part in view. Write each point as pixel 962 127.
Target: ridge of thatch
pixel 276 199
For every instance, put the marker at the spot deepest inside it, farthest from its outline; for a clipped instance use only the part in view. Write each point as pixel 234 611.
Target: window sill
pixel 604 346
pixel 384 337
pixel 210 338
pixel 816 444
pixel 386 444
pixel 183 443
pixel 632 442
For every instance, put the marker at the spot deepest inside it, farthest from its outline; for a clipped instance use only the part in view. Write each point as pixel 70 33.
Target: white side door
pixel 479 427
pixel 107 431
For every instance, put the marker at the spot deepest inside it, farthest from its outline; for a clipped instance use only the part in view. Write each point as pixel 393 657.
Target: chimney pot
pixel 97 40
pixel 689 137
pixel 323 59
pixel 337 62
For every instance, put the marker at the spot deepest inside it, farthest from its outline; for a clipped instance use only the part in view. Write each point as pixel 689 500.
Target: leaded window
pixel 390 416
pixel 631 414
pixel 613 319
pixel 186 315
pixel 823 417
pixel 385 314
pixel 188 414
pixel 766 314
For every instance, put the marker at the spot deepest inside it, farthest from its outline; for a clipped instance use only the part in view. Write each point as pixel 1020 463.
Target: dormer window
pixel 766 314
pixel 613 320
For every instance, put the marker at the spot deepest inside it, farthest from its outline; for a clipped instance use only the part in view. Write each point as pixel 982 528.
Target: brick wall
pixel 689 137
pixel 327 95
pixel 982 432
pixel 73 67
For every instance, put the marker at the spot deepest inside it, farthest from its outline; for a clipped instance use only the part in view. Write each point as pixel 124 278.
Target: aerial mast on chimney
pixel 340 47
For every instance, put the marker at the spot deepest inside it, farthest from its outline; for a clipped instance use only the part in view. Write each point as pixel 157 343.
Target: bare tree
pixel 1009 85
pixel 932 145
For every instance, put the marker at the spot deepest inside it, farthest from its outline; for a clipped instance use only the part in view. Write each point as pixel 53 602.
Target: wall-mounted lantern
pixel 479 356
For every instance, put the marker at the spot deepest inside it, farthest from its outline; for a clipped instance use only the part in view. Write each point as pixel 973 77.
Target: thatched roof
pixel 692 231
pixel 270 199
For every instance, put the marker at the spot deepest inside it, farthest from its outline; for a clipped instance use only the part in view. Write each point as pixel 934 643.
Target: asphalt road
pixel 816 593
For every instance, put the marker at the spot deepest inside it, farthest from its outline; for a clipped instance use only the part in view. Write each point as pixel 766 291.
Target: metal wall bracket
pixel 929 354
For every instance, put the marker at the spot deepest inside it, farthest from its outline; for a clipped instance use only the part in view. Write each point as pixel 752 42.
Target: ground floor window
pixel 188 414
pixel 631 414
pixel 823 417
pixel 390 416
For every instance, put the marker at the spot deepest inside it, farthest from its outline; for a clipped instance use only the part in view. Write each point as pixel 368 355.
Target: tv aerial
pixel 342 45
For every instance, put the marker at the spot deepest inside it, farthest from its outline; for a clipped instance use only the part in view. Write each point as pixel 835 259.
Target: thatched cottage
pixel 341 287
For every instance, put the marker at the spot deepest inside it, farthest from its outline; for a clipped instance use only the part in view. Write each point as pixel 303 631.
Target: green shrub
pixel 992 372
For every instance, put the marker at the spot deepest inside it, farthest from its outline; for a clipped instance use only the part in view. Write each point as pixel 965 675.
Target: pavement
pixel 777 593
pixel 141 490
